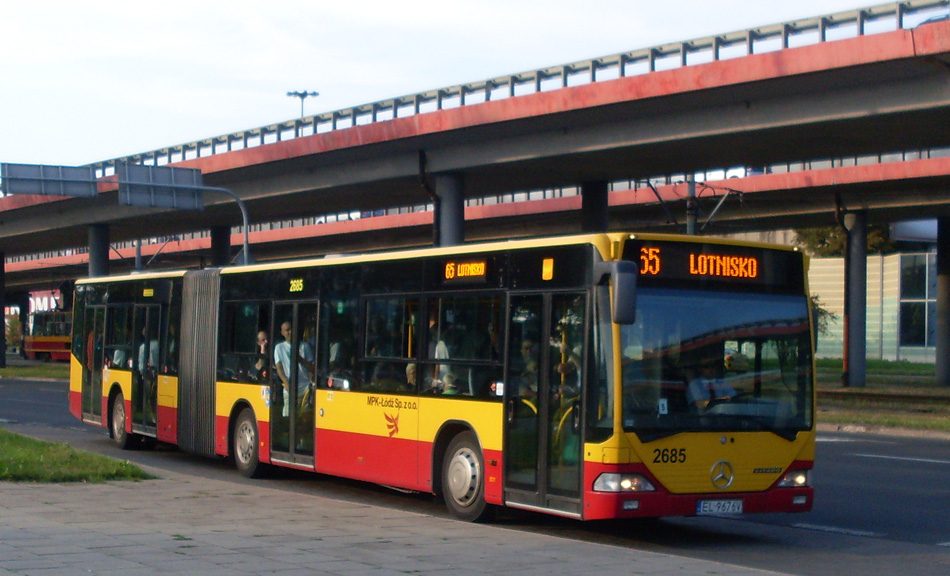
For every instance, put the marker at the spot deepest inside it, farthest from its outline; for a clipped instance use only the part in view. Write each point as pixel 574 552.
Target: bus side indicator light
pixel 547 269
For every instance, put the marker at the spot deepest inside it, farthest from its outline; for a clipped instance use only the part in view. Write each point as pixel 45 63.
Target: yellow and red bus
pixel 49 336
pixel 560 375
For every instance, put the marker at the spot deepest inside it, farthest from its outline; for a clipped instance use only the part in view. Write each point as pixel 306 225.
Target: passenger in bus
pixel 285 359
pixel 120 357
pixel 569 367
pixel 92 345
pixel 258 370
pixel 438 350
pixel 528 369
pixel 340 350
pixel 708 386
pixel 305 354
pixel 171 350
pixel 148 367
pixel 449 387
pixel 148 353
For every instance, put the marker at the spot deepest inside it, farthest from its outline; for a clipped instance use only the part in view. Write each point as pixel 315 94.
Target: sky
pixel 82 82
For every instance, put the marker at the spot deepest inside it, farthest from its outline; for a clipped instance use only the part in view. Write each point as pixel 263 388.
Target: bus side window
pixel 461 357
pixel 391 341
pixel 119 338
pixel 238 348
pixel 339 325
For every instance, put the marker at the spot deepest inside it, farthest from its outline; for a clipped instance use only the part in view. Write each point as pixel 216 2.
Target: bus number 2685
pixel 669 456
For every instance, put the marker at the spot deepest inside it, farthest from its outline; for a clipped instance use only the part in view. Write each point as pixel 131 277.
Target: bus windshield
pixel 51 324
pixel 716 361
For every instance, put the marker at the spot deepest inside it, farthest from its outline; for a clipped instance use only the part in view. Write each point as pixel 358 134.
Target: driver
pixel 708 386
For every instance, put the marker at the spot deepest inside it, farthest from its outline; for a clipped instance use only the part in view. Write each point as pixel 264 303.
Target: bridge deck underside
pixel 868 95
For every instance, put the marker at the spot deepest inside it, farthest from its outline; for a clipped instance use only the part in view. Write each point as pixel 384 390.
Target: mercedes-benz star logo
pixel 722 475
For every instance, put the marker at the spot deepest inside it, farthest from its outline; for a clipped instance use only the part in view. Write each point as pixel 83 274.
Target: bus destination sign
pixel 685 262
pixel 470 271
pixel 712 262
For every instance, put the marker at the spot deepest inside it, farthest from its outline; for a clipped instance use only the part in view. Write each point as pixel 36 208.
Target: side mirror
pixel 623 281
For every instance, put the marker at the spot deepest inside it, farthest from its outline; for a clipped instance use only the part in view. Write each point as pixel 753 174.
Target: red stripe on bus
pixel 373 458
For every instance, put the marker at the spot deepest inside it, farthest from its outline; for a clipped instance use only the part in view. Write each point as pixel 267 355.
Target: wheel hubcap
pixel 118 418
pixel 245 442
pixel 464 477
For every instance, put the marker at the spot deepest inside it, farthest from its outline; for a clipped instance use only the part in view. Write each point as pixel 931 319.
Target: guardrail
pixel 787 35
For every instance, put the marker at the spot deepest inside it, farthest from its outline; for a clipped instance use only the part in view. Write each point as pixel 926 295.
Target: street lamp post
pixel 303 96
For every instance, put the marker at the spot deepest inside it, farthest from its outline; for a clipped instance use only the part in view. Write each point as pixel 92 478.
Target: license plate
pixel 713 507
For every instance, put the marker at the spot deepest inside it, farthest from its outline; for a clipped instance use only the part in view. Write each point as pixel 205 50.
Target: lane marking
pixel 837 530
pixel 947 544
pixel 904 459
pixel 838 439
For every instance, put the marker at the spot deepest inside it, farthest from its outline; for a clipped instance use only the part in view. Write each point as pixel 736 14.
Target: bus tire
pixel 117 425
pixel 463 479
pixel 245 445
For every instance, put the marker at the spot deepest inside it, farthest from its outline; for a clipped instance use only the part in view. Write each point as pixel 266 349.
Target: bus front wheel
pixel 463 479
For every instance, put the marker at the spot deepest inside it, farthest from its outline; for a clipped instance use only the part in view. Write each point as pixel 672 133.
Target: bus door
pixel 546 369
pixel 293 336
pixel 146 330
pixel 92 363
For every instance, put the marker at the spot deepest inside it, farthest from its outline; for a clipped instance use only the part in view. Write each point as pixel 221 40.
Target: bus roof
pixel 602 241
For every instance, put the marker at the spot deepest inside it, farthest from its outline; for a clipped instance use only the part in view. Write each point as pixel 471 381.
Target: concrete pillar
pixel 594 207
pixel 98 250
pixel 66 291
pixel 3 306
pixel 220 245
pixel 450 218
pixel 22 301
pixel 942 335
pixel 856 294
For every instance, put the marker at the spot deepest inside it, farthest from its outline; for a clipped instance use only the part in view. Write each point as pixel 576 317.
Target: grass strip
pixel 52 370
pixel 25 459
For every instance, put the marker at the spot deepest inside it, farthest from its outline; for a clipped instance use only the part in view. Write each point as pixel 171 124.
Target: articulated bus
pixel 49 336
pixel 597 376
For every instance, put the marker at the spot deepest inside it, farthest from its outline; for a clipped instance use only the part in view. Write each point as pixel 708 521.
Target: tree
pixel 14 330
pixel 830 240
pixel 821 316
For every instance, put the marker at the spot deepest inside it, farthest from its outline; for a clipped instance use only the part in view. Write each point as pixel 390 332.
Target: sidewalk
pixel 193 526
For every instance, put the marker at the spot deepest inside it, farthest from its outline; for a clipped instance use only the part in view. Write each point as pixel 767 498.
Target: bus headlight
pixel 613 482
pixel 795 479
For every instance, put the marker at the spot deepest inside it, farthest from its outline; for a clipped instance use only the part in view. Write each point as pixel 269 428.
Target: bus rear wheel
pixel 463 479
pixel 245 445
pixel 119 434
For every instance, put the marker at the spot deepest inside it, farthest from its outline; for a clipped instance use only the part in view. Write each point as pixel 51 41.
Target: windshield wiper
pixel 789 434
pixel 785 434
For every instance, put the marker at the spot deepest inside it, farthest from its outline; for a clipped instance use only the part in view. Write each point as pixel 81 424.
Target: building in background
pixel 901 305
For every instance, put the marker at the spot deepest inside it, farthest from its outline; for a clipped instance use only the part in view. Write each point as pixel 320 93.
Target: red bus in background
pixel 48 337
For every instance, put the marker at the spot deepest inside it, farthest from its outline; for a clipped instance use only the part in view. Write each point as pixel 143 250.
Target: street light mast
pixel 303 96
